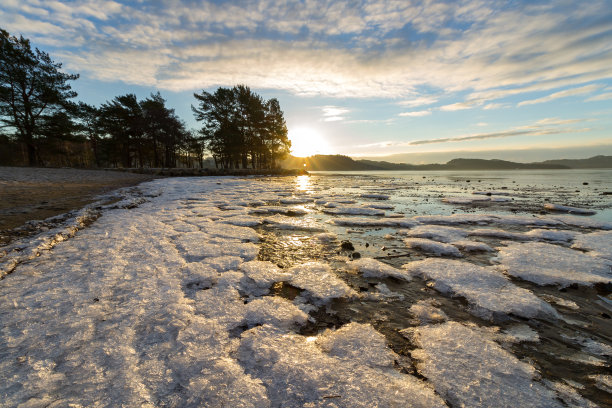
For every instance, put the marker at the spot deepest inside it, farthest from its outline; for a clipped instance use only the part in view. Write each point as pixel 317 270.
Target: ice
pixel 296 200
pixel 522 333
pixel 582 222
pixel 596 243
pixel 472 246
pixel 275 311
pixel 357 343
pixel 320 282
pixel 560 301
pixel 292 223
pixel 379 206
pixel 375 196
pixel 547 264
pixel 427 311
pixel 470 370
pixel 603 382
pixel 465 200
pixel 492 192
pixel 242 220
pixel 345 210
pixel 326 237
pixel 279 210
pixel 568 209
pixel 486 219
pixel 490 294
pixel 370 223
pixel 264 273
pixel 432 247
pixel 437 233
pixel 551 235
pixel 383 293
pixel 298 373
pixel 371 268
pixel 569 396
pixel 498 233
pixel 591 346
pixel 223 263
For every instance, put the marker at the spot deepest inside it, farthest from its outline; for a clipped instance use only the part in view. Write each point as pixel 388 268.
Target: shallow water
pixel 556 355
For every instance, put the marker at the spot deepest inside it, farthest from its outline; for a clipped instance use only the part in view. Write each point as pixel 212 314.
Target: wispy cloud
pixel 601 97
pixel 549 126
pixel 416 113
pixel 334 113
pixel 330 48
pixel 563 94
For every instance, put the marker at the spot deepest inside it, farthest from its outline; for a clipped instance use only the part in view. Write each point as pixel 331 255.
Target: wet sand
pixel 38 193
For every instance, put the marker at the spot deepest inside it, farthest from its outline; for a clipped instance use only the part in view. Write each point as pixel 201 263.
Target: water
pixel 557 355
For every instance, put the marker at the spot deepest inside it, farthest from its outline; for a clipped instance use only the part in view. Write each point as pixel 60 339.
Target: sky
pixel 411 79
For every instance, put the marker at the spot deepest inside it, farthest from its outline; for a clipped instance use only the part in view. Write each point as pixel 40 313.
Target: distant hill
pixel 345 163
pixel 596 162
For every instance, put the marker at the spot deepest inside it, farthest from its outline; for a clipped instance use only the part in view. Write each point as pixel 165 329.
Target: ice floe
pixel 437 233
pixel 468 369
pixel 568 209
pixel 596 243
pixel 490 294
pixel 432 247
pixel 345 210
pixel 371 268
pixel 291 223
pixel 427 311
pixel 320 282
pixel 547 264
pixel 297 372
pixel 551 235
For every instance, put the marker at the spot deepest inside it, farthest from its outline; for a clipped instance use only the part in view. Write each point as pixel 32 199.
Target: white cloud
pixel 601 97
pixel 331 48
pixel 456 106
pixel 416 113
pixel 562 94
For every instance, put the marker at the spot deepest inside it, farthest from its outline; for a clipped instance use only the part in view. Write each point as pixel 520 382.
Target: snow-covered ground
pixel 215 292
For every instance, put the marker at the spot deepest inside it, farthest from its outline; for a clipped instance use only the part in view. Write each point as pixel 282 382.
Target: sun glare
pixel 307 142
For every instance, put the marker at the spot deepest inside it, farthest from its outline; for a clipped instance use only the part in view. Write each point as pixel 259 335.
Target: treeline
pixel 42 125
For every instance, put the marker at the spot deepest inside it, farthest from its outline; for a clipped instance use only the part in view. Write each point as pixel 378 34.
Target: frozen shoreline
pixel 161 302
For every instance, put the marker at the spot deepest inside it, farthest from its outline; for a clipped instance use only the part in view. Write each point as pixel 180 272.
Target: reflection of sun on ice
pixel 307 142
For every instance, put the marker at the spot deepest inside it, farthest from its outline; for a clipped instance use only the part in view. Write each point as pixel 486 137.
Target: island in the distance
pixel 345 163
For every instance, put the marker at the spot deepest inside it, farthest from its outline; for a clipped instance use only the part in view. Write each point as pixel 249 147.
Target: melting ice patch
pixel 427 311
pixel 551 235
pixel 298 372
pixel 471 370
pixel 490 294
pixel 371 268
pixel 568 209
pixel 433 247
pixel 437 233
pixel 596 243
pixel 547 264
pixel 320 282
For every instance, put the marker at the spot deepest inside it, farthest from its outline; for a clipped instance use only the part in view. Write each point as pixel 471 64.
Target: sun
pixel 306 142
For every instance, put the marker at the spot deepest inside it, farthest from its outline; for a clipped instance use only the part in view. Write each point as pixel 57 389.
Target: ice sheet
pixel 320 282
pixel 596 243
pixel 547 264
pixel 469 369
pixel 491 295
pixel 433 247
pixel 371 268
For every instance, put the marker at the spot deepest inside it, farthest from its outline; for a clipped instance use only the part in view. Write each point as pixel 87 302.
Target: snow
pixel 263 273
pixel 596 243
pixel 468 369
pixel 547 264
pixel 568 209
pixel 320 282
pixel 490 294
pixel 371 268
pixel 498 233
pixel 432 247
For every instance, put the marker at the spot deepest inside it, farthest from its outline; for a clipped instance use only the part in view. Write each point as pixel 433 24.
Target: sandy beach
pixel 38 193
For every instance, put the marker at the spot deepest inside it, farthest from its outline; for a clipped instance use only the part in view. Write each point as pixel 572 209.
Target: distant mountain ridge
pixel 345 163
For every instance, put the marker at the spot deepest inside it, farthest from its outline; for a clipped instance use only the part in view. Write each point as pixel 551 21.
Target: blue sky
pixel 364 78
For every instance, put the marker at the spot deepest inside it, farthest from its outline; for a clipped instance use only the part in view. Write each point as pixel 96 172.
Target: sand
pixel 38 193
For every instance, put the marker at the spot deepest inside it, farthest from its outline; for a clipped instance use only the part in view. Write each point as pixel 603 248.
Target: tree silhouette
pixel 33 91
pixel 241 129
